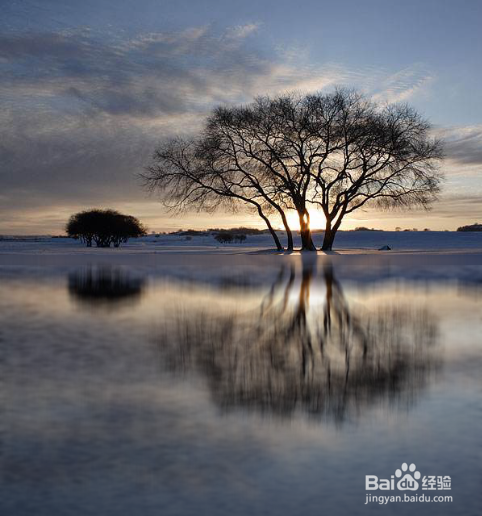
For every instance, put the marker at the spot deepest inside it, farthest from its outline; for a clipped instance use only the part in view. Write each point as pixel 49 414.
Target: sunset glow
pixel 317 220
pixel 87 98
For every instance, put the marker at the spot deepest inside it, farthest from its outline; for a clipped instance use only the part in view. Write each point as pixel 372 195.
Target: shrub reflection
pixel 104 286
pixel 324 359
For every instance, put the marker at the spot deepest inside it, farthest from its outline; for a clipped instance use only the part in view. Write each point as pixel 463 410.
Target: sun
pixel 317 220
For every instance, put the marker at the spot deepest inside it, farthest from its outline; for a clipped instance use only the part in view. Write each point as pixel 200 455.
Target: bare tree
pixel 181 172
pixel 382 156
pixel 336 152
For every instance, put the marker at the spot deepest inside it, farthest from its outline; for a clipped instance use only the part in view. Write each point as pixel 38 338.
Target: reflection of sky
pixel 91 425
pixel 88 89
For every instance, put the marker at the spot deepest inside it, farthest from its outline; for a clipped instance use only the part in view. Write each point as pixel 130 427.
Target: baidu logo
pixel 408 481
pixel 406 478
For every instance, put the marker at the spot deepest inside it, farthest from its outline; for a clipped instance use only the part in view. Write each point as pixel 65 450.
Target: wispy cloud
pixel 82 112
pixel 169 72
pixel 402 85
pixel 242 31
pixel 463 145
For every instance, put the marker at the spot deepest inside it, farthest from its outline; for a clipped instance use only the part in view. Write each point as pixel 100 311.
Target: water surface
pixel 237 387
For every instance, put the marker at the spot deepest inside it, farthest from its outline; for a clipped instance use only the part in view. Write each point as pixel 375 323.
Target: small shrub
pixel 104 227
pixel 224 238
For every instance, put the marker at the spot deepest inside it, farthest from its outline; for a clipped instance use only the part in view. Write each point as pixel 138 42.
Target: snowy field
pixel 413 256
pixel 346 241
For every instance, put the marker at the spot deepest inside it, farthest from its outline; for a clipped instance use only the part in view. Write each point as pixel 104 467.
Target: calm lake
pixel 239 385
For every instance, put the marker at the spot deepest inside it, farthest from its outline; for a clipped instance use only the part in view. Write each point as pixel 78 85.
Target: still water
pixel 254 386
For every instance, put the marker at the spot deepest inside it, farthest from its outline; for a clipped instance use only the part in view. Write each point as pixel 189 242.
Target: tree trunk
pixel 279 247
pixel 330 231
pixel 329 237
pixel 289 233
pixel 305 232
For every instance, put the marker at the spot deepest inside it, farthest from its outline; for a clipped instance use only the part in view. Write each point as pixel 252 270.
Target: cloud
pixel 164 73
pixel 242 31
pixel 83 111
pixel 463 145
pixel 402 85
pixel 82 114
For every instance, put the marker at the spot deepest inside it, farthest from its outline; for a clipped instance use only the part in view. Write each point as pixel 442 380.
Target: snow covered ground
pixel 415 256
pixel 346 241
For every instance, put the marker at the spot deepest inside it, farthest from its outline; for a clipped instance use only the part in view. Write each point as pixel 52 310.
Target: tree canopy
pixel 104 227
pixel 336 152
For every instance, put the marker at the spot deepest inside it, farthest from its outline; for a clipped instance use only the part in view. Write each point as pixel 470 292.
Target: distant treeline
pixel 231 231
pixel 228 238
pixel 245 231
pixel 473 227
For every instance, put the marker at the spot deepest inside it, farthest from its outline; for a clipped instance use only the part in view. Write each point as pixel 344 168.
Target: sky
pixel 89 88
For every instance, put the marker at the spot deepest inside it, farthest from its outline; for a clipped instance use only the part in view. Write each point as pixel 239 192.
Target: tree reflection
pixel 104 286
pixel 299 351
